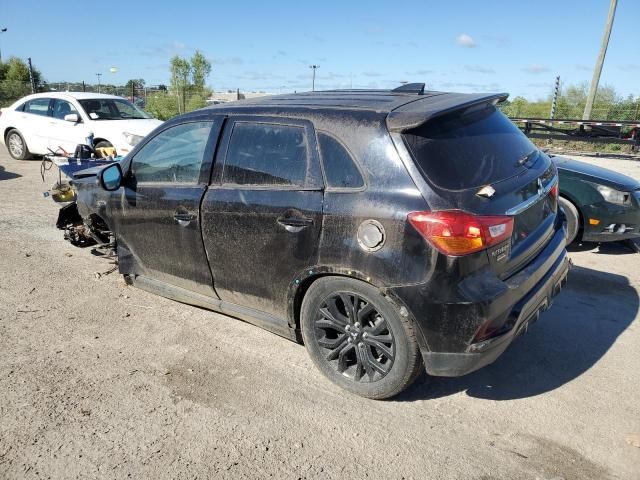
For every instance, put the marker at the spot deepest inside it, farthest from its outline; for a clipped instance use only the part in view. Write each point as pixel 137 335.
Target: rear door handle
pixel 295 223
pixel 183 218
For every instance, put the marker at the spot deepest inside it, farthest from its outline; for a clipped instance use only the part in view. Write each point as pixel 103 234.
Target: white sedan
pixel 54 120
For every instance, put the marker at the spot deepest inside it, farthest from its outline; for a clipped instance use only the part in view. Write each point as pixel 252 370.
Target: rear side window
pixel 468 149
pixel 174 155
pixel 266 154
pixel 37 106
pixel 339 167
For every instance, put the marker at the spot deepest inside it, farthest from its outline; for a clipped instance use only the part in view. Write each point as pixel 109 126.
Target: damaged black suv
pixel 390 231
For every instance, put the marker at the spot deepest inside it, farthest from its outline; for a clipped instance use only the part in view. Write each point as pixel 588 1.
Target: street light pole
pixel 313 79
pixel 2 30
pixel 98 75
pixel 598 68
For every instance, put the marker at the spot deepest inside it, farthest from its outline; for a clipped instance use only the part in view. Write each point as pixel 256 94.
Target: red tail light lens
pixel 554 191
pixel 454 232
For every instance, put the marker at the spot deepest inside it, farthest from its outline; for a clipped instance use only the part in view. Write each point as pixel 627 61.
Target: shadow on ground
pixel 567 341
pixel 4 175
pixel 625 247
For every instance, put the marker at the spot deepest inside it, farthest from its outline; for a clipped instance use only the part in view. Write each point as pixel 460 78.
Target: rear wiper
pixel 526 158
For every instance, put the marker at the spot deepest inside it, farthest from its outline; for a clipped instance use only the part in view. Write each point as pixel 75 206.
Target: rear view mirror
pixel 72 117
pixel 111 177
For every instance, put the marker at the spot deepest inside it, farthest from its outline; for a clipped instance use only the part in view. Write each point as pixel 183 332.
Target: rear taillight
pixel 554 191
pixel 455 232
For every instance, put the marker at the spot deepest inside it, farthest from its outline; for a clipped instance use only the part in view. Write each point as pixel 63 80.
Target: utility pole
pixel 599 62
pixel 313 79
pixel 31 79
pixel 2 30
pixel 554 103
pixel 98 75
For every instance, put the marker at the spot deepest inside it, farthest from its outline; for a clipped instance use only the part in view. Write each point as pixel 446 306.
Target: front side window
pixel 174 155
pixel 62 108
pixel 339 168
pixel 266 154
pixel 111 109
pixel 38 106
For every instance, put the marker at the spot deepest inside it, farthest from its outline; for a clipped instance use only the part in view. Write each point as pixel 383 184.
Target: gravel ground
pixel 101 380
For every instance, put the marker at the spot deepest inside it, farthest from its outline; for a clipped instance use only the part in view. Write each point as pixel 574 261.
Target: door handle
pixel 183 218
pixel 296 221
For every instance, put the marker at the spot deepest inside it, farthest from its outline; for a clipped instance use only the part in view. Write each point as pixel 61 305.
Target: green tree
pixel 14 80
pixel 200 70
pixel 180 76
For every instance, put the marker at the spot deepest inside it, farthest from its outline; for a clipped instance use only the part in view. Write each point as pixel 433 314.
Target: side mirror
pixel 111 177
pixel 72 117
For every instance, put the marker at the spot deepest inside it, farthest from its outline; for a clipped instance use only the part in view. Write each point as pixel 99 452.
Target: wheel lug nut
pixel 349 340
pixel 347 328
pixel 365 335
pixel 357 325
pixel 361 344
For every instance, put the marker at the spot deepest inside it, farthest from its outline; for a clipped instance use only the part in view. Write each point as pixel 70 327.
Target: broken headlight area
pixel 87 233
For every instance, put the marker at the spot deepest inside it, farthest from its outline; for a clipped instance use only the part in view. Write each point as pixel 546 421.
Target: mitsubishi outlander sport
pixel 389 231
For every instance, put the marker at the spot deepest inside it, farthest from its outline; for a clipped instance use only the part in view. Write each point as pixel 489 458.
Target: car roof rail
pixel 416 88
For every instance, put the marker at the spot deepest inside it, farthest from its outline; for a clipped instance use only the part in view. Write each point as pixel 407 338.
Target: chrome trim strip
pixel 533 199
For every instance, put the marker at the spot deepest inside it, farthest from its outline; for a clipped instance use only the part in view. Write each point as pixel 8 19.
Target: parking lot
pixel 101 380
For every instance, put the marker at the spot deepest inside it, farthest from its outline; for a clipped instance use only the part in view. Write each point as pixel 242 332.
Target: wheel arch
pixel 309 276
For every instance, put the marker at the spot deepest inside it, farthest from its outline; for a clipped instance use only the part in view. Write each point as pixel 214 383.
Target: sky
pixel 506 46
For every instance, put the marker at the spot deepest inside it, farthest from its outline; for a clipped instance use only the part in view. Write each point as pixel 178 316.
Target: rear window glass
pixel 38 106
pixel 469 149
pixel 266 154
pixel 339 167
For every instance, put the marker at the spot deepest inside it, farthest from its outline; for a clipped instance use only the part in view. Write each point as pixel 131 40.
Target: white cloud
pixel 535 68
pixel 465 40
pixel 479 69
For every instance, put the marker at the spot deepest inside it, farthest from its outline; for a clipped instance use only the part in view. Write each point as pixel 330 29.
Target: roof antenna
pixel 415 88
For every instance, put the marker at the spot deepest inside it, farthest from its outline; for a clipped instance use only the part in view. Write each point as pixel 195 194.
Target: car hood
pixel 597 174
pixel 140 127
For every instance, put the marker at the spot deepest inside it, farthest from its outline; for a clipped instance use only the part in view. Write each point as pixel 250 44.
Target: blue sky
pixel 512 46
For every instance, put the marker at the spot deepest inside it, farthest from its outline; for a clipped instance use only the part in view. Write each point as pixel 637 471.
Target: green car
pixel 601 205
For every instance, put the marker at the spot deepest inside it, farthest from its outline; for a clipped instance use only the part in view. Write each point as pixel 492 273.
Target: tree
pixel 180 75
pixel 200 70
pixel 135 83
pixel 15 81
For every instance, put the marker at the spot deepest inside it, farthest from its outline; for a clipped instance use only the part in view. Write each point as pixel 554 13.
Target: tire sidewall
pixel 573 219
pixel 25 150
pixel 394 381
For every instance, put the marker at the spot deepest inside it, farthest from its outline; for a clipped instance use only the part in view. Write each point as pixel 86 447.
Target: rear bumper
pixel 507 306
pixel 526 311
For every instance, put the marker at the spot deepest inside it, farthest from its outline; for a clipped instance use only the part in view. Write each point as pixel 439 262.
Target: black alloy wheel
pixel 358 338
pixel 355 337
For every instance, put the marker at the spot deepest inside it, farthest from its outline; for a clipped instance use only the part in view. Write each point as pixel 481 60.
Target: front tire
pixel 357 339
pixel 16 145
pixel 573 219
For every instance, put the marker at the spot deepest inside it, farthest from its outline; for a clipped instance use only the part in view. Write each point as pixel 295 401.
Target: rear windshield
pixel 467 149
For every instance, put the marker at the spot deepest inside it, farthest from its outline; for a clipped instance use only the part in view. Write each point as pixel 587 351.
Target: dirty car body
pixel 352 189
pixel 608 202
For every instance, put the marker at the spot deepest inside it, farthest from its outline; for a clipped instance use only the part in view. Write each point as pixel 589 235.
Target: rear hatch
pixel 476 160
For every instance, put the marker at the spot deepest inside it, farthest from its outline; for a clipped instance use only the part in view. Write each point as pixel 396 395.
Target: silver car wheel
pixel 16 145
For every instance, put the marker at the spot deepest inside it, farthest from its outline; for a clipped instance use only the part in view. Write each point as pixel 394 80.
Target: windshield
pixel 111 109
pixel 467 149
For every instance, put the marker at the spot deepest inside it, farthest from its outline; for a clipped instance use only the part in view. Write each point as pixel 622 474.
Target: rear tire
pixel 16 145
pixel 573 219
pixel 357 339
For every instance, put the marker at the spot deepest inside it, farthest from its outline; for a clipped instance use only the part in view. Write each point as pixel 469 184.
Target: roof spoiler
pixel 416 113
pixel 415 88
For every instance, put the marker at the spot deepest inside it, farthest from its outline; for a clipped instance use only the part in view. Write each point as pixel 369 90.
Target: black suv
pixel 387 230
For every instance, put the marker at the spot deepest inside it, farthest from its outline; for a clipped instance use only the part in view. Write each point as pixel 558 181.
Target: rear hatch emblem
pixel 487 191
